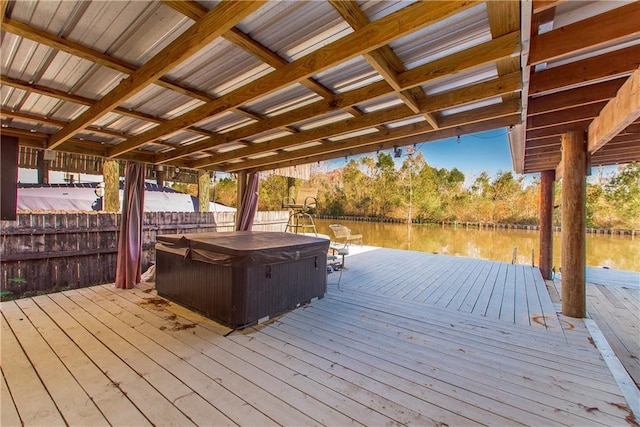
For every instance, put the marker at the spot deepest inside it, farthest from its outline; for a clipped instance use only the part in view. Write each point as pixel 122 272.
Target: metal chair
pixel 299 218
pixel 343 234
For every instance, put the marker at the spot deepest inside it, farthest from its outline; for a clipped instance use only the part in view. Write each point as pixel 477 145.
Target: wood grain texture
pixel 371 353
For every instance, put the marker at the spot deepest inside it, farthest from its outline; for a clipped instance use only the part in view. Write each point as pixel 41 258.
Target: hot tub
pixel 243 277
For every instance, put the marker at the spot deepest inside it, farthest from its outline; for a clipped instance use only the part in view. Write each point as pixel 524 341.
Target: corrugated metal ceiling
pixel 60 57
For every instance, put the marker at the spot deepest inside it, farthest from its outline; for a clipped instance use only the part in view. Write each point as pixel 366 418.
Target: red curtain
pixel 128 264
pixel 247 210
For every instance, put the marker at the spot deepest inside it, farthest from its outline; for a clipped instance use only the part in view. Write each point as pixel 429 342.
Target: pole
pixel 547 179
pixel 574 164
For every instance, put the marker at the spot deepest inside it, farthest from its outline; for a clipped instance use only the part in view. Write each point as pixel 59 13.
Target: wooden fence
pixel 42 252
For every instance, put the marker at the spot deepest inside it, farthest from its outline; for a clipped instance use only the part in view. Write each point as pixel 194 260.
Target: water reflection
pixel 619 252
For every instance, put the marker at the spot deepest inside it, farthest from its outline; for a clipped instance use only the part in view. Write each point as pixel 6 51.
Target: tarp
pixel 80 197
pixel 243 248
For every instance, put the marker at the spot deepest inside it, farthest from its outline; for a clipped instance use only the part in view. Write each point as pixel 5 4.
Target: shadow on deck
pixel 99 356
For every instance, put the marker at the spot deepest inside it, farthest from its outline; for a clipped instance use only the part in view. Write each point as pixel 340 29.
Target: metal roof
pixel 263 85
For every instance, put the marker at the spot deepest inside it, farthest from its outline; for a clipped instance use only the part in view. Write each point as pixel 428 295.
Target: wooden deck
pixel 613 302
pixel 100 356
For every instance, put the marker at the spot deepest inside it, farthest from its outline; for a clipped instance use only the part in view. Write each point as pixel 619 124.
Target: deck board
pixel 472 389
pixel 511 293
pixel 388 347
pixel 33 402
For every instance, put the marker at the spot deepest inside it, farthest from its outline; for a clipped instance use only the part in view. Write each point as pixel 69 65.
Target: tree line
pixel 374 186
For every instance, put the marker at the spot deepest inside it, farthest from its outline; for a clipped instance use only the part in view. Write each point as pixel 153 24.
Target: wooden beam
pixel 444 100
pixel 355 147
pixel 91 55
pixel 374 35
pixel 111 176
pixel 517 147
pixel 357 123
pixel 603 29
pixel 504 18
pixel 619 113
pixel 419 76
pixel 457 123
pixel 576 97
pixel 543 5
pixel 196 11
pixel 484 53
pixel 613 64
pixel 224 16
pixel 468 94
pixel 58 123
pixel 567 116
pixel 3 8
pixel 204 191
pixel 574 165
pixel 340 101
pixel 389 70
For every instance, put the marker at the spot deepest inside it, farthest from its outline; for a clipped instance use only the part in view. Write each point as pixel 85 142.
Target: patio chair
pixel 343 234
pixel 299 218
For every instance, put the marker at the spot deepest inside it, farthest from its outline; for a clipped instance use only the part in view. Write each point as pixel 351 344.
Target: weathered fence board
pixel 42 252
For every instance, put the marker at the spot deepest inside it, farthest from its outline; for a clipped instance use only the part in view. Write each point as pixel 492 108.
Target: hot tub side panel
pixel 238 296
pixel 284 286
pixel 205 288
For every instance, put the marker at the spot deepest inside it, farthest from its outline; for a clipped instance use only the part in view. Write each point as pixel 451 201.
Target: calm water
pixel 618 252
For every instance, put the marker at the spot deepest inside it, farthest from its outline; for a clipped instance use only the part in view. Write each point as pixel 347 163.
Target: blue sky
pixel 486 151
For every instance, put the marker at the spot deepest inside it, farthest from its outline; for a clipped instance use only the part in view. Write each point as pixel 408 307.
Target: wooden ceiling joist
pixel 581 73
pixel 221 18
pixel 475 56
pixel 455 97
pixel 603 29
pixel 560 66
pixel 372 36
pixel 455 123
pixel 384 60
pixel 363 145
pixel 619 113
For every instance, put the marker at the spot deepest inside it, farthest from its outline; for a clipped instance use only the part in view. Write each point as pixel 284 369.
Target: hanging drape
pixel 249 205
pixel 128 264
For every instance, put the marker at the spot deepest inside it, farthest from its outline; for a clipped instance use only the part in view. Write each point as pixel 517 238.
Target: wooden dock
pixel 613 302
pixel 100 356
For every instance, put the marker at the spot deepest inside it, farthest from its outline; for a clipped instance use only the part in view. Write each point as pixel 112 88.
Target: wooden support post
pixel 291 188
pixel 204 190
pixel 241 184
pixel 547 179
pixel 9 182
pixel 43 168
pixel 111 174
pixel 160 175
pixel 574 165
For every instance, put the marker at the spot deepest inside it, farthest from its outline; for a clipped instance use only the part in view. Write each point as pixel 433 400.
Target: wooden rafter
pixel 211 26
pixel 196 11
pixel 619 63
pixel 619 112
pixel 350 125
pixel 374 35
pixel 577 97
pixel 58 94
pixel 341 101
pixel 59 123
pixel 456 123
pixel 383 60
pixel 469 58
pixel 608 27
pixel 384 143
pixel 455 97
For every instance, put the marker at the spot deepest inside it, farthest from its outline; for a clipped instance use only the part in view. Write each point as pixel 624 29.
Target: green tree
pixel 623 193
